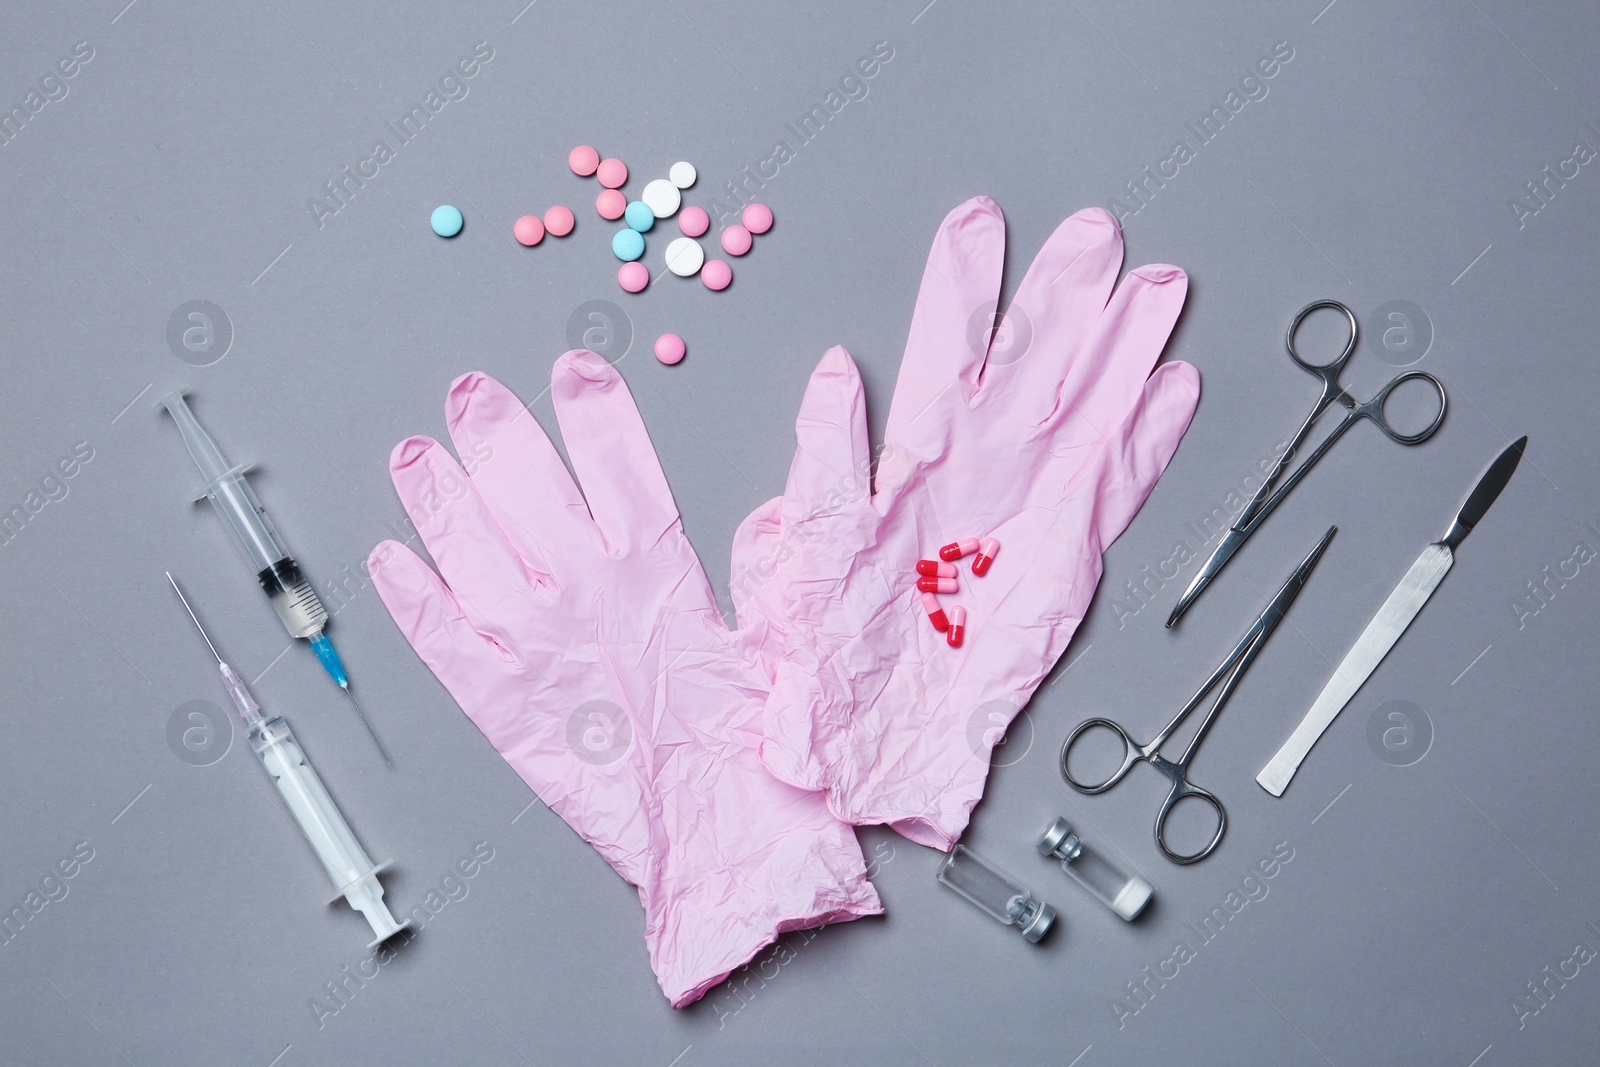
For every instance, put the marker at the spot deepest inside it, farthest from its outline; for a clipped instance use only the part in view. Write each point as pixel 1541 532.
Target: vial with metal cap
pixel 996 892
pixel 1123 893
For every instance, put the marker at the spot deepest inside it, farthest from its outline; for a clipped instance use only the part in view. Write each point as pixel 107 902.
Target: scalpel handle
pixel 1358 664
pixel 1279 771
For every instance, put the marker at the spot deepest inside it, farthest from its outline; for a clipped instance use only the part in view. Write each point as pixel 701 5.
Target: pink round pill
pixel 736 240
pixel 669 348
pixel 716 274
pixel 633 277
pixel 583 160
pixel 757 218
pixel 559 221
pixel 693 221
pixel 611 204
pixel 613 173
pixel 528 230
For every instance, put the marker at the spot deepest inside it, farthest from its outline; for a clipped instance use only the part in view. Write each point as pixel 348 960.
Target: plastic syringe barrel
pixel 231 496
pixel 350 869
pixel 228 490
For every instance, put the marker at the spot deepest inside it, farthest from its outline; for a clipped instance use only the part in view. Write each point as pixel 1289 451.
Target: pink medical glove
pixel 1047 436
pixel 579 633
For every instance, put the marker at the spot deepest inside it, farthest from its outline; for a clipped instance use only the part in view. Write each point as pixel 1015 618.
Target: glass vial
pixel 1124 894
pixel 996 893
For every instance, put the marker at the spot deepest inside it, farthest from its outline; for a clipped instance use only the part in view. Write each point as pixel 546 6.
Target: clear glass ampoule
pixel 1124 894
pixel 996 892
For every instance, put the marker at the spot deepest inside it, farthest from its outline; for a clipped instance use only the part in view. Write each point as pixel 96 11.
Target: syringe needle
pixel 387 762
pixel 186 607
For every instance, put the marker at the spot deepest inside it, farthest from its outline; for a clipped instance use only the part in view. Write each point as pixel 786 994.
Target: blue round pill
pixel 446 220
pixel 628 245
pixel 639 216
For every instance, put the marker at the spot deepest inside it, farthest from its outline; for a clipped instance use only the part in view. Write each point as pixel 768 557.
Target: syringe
pixel 291 595
pixel 351 870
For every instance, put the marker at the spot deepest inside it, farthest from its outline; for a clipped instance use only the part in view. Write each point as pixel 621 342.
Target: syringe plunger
pixel 352 872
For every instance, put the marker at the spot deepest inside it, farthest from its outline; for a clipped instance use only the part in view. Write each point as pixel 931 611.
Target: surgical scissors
pixel 1238 661
pixel 1262 504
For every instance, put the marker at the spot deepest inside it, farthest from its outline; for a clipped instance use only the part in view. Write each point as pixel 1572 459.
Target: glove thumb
pixel 1144 446
pixel 832 460
pixel 758 605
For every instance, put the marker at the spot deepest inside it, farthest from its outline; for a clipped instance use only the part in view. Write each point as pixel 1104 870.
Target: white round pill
pixel 662 197
pixel 685 256
pixel 683 174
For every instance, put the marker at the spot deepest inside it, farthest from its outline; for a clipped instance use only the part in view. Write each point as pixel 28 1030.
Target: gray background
pixel 1420 899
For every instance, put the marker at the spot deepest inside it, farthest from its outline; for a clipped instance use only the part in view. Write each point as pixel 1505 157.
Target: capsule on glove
pixel 956 549
pixel 986 554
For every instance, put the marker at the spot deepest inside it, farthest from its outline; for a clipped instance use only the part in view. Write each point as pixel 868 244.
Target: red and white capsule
pixel 958 627
pixel 956 549
pixel 936 585
pixel 935 612
pixel 931 568
pixel 986 554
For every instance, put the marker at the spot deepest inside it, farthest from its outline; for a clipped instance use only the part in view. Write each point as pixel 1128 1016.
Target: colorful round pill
pixel 528 230
pixel 446 220
pixel 627 245
pixel 613 173
pixel 682 174
pixel 639 216
pixel 694 221
pixel 583 160
pixel 717 275
pixel 663 198
pixel 757 218
pixel 669 348
pixel 736 240
pixel 611 205
pixel 633 277
pixel 559 221
pixel 685 256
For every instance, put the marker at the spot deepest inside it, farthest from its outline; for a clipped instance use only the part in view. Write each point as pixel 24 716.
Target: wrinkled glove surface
pixel 578 632
pixel 1047 433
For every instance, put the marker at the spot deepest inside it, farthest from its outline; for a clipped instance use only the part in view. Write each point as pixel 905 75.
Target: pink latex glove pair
pixel 579 633
pixel 1048 437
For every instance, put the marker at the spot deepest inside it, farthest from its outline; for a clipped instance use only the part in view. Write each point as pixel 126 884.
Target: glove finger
pixel 518 473
pixel 760 610
pixel 756 558
pixel 832 458
pixel 1148 439
pixel 1108 376
pixel 611 452
pixel 461 534
pixel 950 326
pixel 1055 309
pixel 438 627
